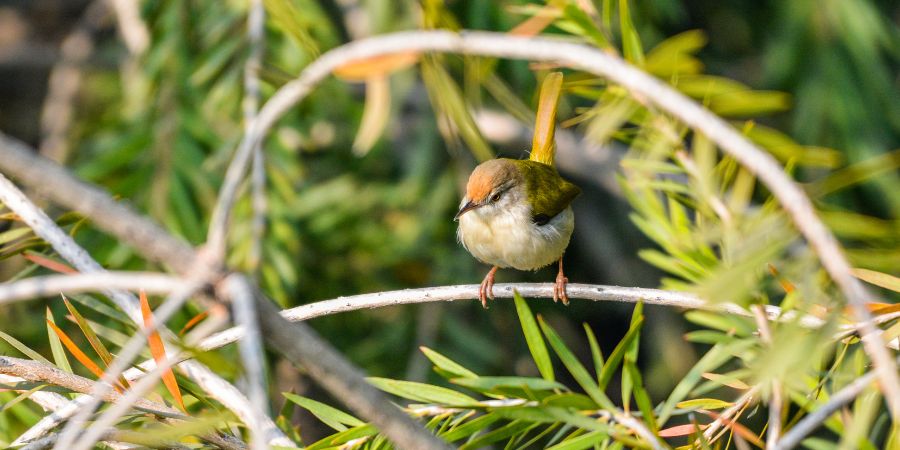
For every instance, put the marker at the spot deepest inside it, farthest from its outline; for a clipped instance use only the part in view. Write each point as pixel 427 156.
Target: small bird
pixel 517 213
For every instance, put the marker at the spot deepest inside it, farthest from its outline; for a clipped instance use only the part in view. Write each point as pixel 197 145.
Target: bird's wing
pixel 550 193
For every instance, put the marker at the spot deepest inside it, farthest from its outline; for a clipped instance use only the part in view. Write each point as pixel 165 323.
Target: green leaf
pixel 536 344
pixel 446 364
pixel 485 384
pixel 587 440
pixel 23 348
pixel 422 392
pixel 612 364
pixel 641 397
pixel 574 400
pixel 344 437
pixel 513 428
pixel 470 428
pixel 577 370
pixel 714 358
pixel 703 403
pixel 59 354
pixel 329 415
pixel 596 354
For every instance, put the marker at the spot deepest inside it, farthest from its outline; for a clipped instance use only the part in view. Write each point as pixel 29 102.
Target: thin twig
pixel 238 289
pixel 795 435
pixel 725 417
pixel 589 59
pixel 38 371
pixel 37 287
pixel 252 95
pixel 131 27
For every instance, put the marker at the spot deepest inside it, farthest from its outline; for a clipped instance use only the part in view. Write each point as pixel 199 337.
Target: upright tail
pixel 542 146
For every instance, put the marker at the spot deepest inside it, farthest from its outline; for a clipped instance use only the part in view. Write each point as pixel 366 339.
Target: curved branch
pixel 36 287
pixel 640 84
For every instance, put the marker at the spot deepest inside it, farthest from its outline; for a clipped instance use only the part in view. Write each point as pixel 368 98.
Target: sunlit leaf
pixel 330 416
pixel 581 375
pixel 75 351
pixel 158 350
pixel 423 392
pixel 59 354
pixel 877 278
pixel 532 333
pixel 48 263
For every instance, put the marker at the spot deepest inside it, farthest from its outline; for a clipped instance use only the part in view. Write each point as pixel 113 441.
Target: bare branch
pixel 239 290
pixel 252 95
pixel 37 287
pixel 593 292
pixel 639 83
pixel 38 371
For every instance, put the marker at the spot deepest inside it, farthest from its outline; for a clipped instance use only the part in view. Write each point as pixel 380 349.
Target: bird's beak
pixel 466 208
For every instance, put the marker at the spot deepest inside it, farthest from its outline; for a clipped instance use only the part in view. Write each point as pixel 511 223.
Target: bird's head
pixel 494 187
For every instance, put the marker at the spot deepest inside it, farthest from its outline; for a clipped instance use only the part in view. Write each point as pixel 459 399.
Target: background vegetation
pixel 363 178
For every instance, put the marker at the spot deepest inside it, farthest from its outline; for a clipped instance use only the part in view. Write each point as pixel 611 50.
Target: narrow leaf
pixel 92 338
pixel 158 350
pixel 446 364
pixel 422 392
pixel 23 348
pixel 681 430
pixel 492 383
pixel 48 263
pixel 545 122
pixel 578 371
pixel 703 403
pixel 596 354
pixel 59 354
pixel 330 416
pixel 75 351
pixel 612 364
pixel 194 321
pixel 877 278
pixel 536 344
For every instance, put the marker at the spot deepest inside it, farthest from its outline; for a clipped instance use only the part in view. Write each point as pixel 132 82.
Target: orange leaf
pixel 680 430
pixel 158 350
pixel 48 263
pixel 362 69
pixel 75 351
pixel 741 430
pixel 545 123
pixel 194 321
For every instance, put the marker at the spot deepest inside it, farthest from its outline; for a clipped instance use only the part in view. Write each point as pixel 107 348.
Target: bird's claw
pixel 559 290
pixel 487 288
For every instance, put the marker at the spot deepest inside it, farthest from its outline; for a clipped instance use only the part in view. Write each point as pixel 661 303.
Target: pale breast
pixel 511 239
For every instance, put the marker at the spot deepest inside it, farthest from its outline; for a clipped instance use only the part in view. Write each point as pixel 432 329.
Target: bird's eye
pixel 495 198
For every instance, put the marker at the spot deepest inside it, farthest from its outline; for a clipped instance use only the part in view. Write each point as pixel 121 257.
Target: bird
pixel 518 213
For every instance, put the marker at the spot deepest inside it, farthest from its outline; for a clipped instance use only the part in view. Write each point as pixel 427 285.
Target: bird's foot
pixel 487 287
pixel 559 290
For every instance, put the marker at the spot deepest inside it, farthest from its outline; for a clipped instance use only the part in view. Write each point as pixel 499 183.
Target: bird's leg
pixel 559 291
pixel 487 287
